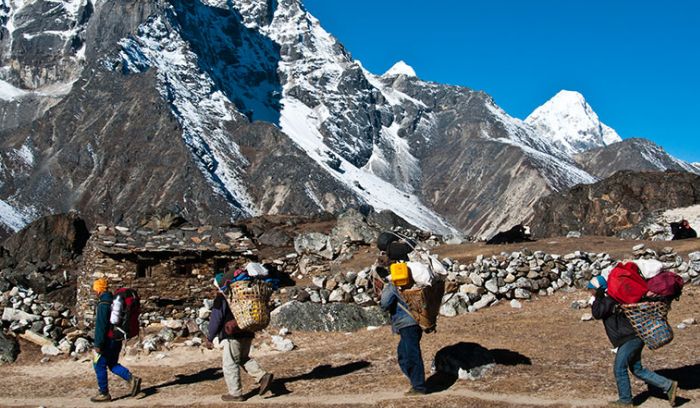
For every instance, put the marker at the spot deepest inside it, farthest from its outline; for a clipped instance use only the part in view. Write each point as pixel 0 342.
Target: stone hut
pixel 172 270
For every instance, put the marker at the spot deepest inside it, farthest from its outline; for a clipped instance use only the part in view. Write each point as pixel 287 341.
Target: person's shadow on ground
pixel 688 378
pixel 209 374
pixel 278 384
pixel 321 372
pixel 470 357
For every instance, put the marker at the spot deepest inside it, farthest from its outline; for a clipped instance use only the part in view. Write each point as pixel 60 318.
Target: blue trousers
pixel 629 355
pixel 410 358
pixel 109 359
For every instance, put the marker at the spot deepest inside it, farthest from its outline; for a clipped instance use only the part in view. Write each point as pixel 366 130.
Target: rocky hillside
pixel 630 154
pixel 227 109
pixel 615 204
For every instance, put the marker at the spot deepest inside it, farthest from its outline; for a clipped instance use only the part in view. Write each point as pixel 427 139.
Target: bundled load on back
pixel 248 293
pixel 124 315
pixel 645 292
pixel 417 275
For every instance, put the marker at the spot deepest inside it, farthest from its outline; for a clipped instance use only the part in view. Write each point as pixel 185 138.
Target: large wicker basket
pixel 649 320
pixel 424 304
pixel 249 303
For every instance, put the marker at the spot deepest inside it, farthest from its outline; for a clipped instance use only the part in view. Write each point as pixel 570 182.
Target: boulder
pixel 352 226
pixel 275 237
pixel 50 350
pixel 337 295
pixel 326 317
pixel 37 339
pixel 13 315
pixel 81 345
pixel 167 334
pixel 485 301
pixel 9 349
pixel 464 360
pixel 282 344
pixel 314 243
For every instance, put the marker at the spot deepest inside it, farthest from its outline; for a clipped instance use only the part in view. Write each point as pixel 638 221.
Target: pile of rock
pixel 516 276
pixel 50 325
pixel 692 268
pixel 53 327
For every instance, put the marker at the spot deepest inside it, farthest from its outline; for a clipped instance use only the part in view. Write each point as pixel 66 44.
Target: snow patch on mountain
pixel 298 123
pixel 25 154
pixel 570 124
pixel 199 106
pixel 385 168
pixel 14 218
pixel 9 92
pixel 400 68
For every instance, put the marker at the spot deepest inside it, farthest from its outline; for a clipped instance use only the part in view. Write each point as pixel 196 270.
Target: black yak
pixel 682 230
pixel 519 233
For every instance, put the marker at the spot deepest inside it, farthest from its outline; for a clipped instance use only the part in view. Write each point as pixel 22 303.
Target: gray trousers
pixel 235 355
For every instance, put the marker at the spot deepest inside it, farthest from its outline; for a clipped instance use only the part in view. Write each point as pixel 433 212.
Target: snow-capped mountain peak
pixel 569 122
pixel 400 68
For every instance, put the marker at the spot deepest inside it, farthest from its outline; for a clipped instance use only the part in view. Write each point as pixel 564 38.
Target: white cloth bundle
pixel 649 267
pixel 255 269
pixel 421 273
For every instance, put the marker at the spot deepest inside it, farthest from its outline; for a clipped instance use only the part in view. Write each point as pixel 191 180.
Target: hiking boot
pixel 671 394
pixel 101 397
pixel 135 384
pixel 232 398
pixel 619 403
pixel 414 392
pixel 265 383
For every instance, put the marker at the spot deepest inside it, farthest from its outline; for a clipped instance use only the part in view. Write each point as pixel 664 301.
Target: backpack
pixel 625 283
pixel 126 308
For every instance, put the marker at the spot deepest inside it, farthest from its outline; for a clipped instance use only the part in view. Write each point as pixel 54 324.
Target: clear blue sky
pixel 636 62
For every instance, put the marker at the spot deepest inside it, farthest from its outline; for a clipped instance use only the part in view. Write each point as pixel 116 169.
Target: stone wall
pixel 170 286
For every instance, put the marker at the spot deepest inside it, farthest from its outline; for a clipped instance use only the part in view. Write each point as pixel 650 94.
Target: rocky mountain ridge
pixel 222 110
pixel 616 204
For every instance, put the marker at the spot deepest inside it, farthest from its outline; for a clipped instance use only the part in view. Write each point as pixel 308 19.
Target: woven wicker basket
pixel 650 322
pixel 249 304
pixel 424 304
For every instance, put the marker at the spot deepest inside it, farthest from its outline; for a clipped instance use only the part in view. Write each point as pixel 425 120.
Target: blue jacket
pixel 102 325
pixel 390 302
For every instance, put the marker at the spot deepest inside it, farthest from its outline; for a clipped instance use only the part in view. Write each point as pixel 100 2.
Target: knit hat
pixel 100 285
pixel 598 282
pixel 222 280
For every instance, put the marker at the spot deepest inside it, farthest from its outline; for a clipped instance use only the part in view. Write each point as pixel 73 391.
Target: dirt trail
pixel 371 399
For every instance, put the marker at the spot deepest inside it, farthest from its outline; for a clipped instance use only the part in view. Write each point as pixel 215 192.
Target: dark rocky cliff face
pixel 615 204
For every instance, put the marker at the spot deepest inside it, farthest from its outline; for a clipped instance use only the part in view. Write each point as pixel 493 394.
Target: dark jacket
pixel 390 302
pixel 220 315
pixel 102 325
pixel 617 326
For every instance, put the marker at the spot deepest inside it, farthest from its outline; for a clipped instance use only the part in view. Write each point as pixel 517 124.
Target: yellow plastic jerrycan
pixel 400 275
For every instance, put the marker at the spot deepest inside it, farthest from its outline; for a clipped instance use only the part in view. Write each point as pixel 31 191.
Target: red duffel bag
pixel 667 284
pixel 625 283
